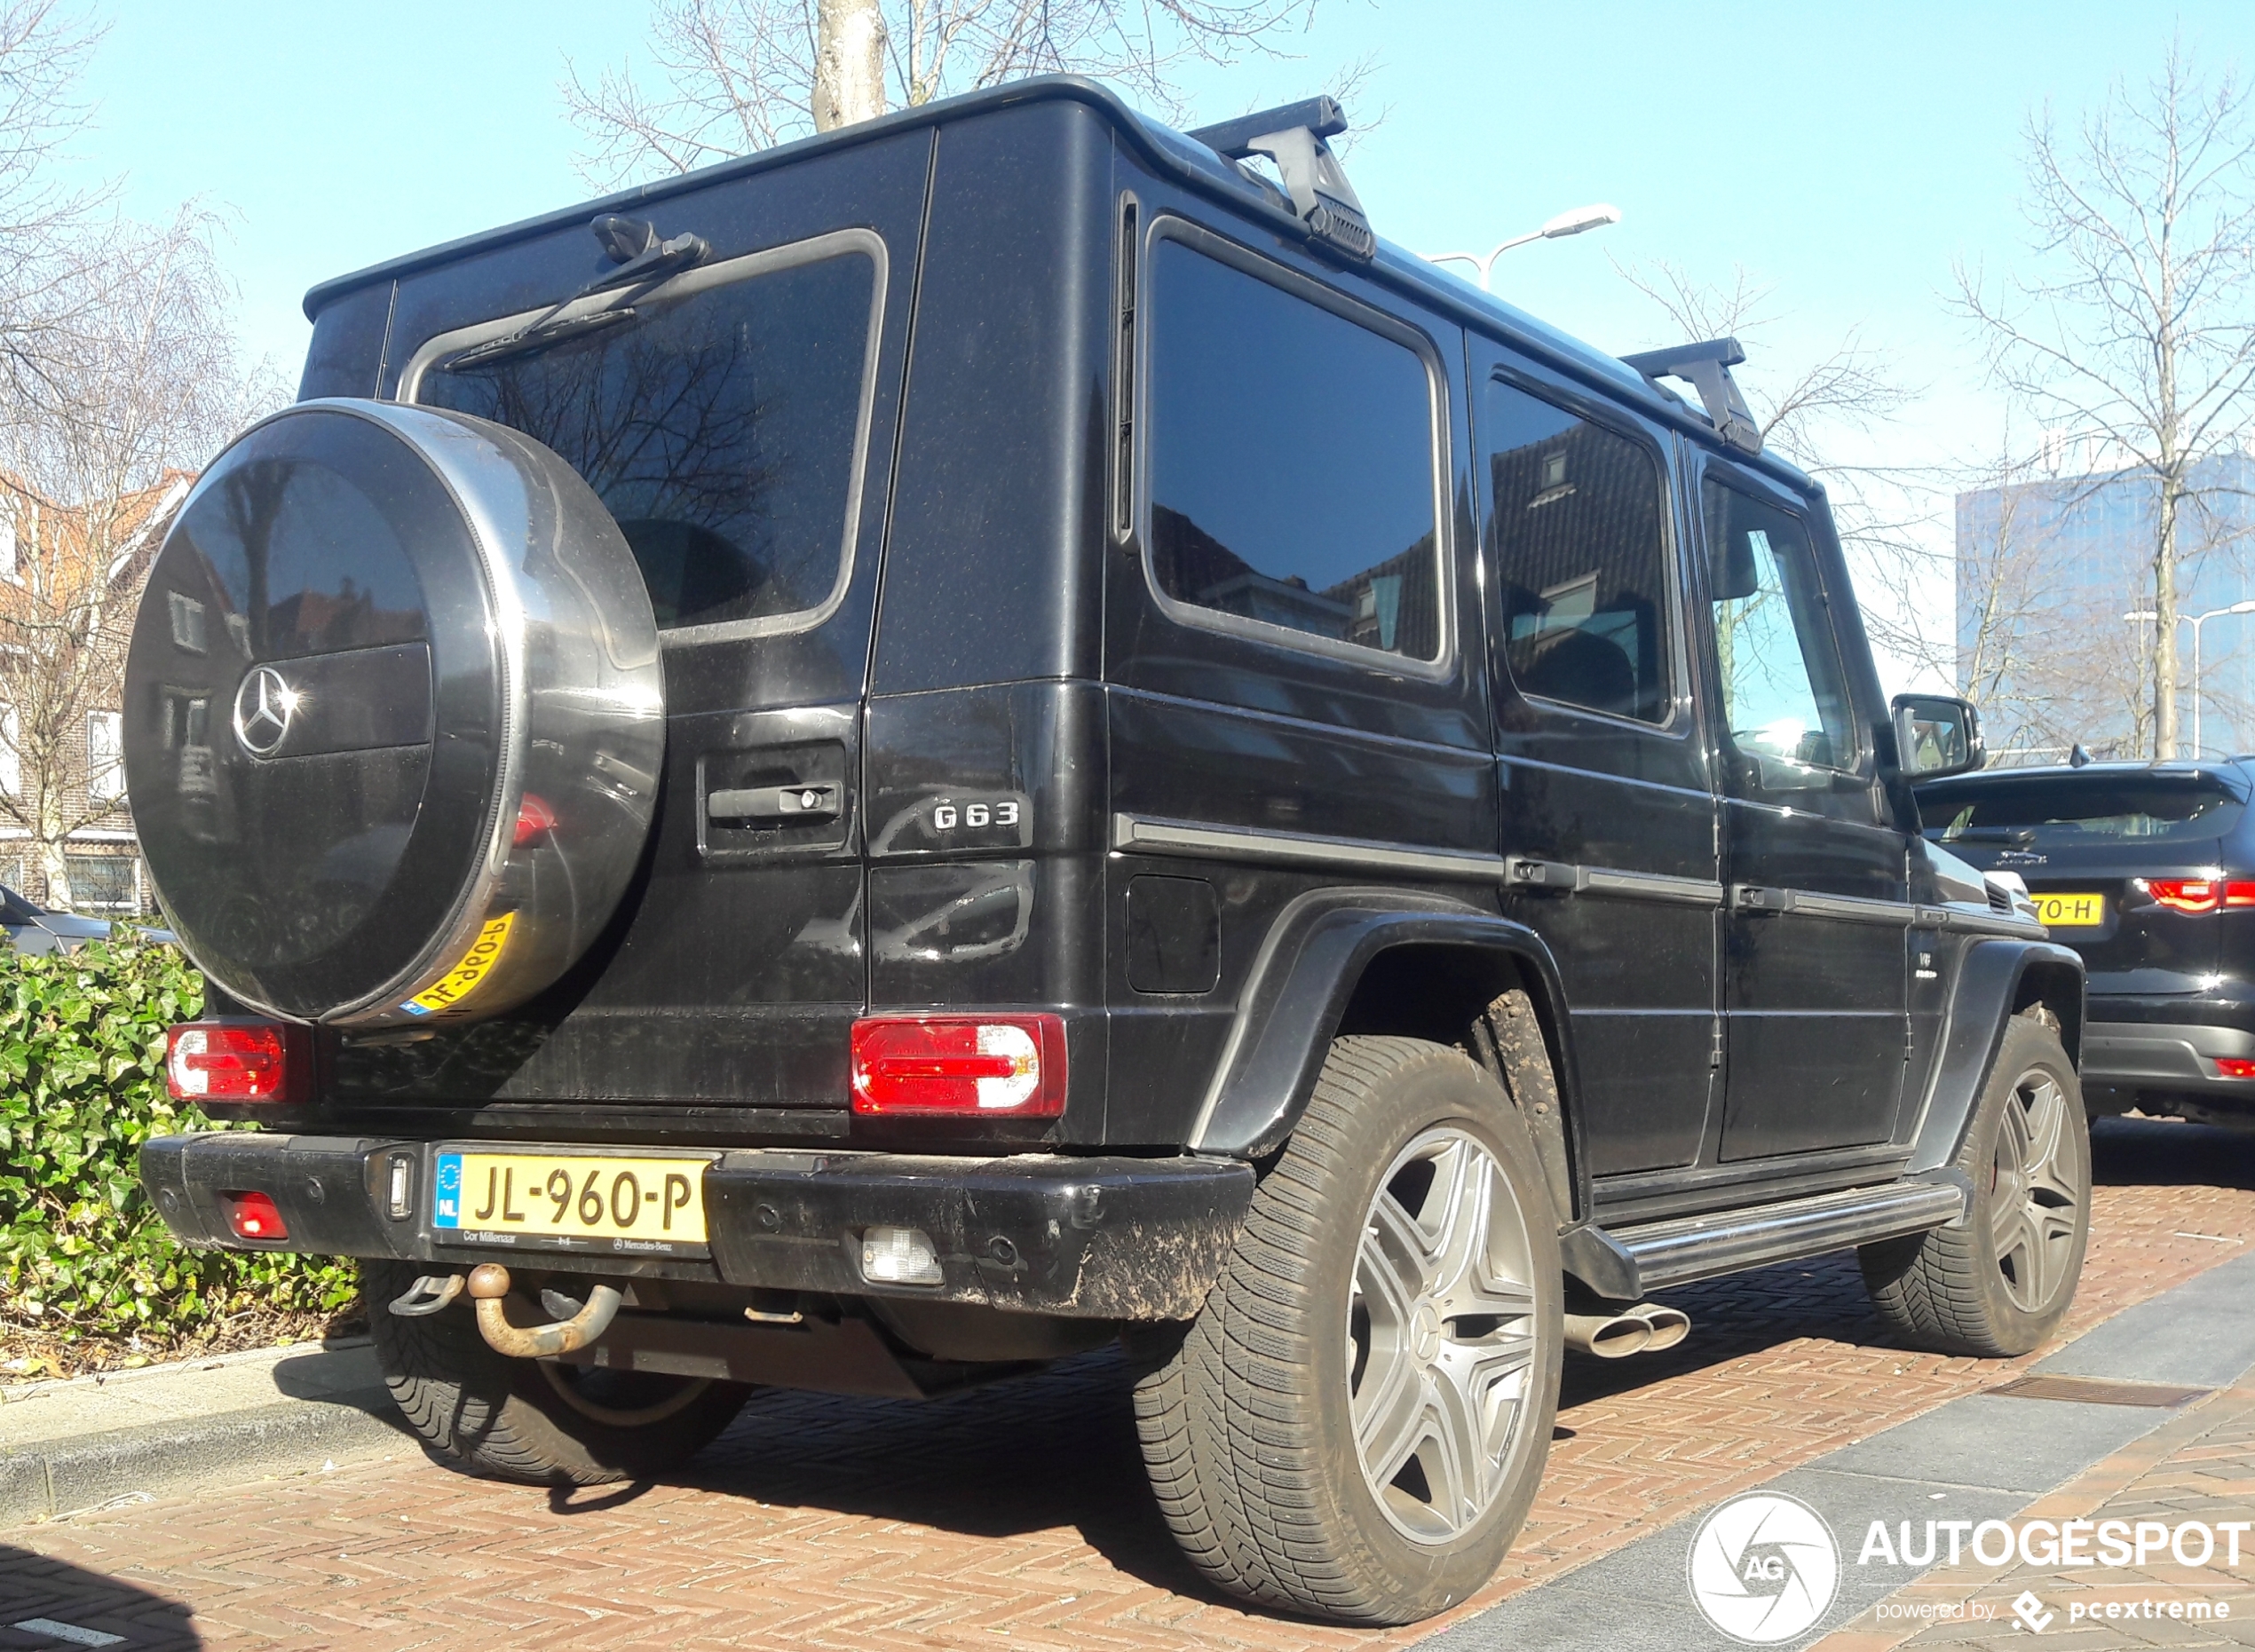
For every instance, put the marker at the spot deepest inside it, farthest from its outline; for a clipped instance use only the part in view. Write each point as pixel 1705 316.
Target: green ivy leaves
pixel 82 1086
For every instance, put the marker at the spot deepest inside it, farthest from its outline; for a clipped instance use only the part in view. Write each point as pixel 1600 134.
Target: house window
pixel 103 882
pixel 105 755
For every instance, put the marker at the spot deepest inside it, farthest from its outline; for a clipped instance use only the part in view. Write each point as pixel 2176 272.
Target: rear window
pixel 721 427
pixel 2061 810
pixel 1292 461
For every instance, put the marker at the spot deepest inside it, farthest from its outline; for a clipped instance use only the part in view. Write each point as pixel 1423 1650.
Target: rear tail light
pixel 2232 1067
pixel 2197 895
pixel 237 1061
pixel 254 1216
pixel 966 1066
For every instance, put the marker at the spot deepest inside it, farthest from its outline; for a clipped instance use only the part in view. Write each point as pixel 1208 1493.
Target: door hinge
pixel 1714 1045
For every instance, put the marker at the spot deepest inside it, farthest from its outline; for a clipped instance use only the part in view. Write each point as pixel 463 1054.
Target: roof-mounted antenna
pixel 1707 366
pixel 2076 758
pixel 1293 136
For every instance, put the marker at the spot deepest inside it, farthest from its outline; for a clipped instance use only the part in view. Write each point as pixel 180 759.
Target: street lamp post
pixel 2196 620
pixel 1565 223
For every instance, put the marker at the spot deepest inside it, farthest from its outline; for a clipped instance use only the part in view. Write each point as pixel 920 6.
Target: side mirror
pixel 1937 735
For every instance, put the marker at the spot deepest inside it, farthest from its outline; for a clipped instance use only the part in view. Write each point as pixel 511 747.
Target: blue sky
pixel 1846 156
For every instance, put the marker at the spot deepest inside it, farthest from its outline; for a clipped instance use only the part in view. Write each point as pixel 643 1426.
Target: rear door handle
pixel 773 805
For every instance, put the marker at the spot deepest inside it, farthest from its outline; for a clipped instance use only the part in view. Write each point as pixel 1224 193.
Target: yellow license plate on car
pixel 2070 910
pixel 558 1198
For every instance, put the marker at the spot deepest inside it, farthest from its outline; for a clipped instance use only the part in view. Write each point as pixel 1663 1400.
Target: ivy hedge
pixel 83 1253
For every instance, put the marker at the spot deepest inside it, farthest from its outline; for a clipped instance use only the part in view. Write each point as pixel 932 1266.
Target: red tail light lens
pixel 2194 895
pixel 254 1216
pixel 966 1066
pixel 534 820
pixel 236 1061
pixel 2239 894
pixel 2232 1067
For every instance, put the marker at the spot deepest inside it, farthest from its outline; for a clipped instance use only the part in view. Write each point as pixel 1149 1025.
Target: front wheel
pixel 1355 1424
pixel 1998 1284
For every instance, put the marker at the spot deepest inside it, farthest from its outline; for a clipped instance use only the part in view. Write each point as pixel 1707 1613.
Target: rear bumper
pixel 1096 1238
pixel 2168 1044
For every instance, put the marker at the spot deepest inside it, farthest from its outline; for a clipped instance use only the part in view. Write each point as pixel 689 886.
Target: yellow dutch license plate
pixel 560 1198
pixel 2070 911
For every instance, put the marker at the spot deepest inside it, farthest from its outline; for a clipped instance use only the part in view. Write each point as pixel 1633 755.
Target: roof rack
pixel 1707 365
pixel 1293 136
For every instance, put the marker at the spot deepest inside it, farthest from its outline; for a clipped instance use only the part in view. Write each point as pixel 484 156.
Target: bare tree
pixel 2138 319
pixel 144 383
pixel 744 75
pixel 43 52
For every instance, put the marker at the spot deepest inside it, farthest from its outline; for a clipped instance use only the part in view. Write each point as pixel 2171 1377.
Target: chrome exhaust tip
pixel 1670 1325
pixel 1609 1336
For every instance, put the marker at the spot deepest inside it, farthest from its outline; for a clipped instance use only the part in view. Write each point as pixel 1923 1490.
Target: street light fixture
pixel 1573 222
pixel 2198 621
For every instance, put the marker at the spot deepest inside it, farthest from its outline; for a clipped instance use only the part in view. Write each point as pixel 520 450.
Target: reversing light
pixel 970 1066
pixel 899 1256
pixel 236 1061
pixel 254 1216
pixel 2232 1067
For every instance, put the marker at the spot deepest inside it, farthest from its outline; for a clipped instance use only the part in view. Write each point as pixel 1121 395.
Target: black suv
pixel 2148 870
pixel 990 734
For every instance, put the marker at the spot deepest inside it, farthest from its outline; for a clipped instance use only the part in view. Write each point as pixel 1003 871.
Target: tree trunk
pixel 49 852
pixel 849 63
pixel 2165 625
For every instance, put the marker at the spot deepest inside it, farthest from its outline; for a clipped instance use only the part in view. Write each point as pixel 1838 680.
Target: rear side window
pixel 720 426
pixel 1292 461
pixel 1581 561
pixel 2062 810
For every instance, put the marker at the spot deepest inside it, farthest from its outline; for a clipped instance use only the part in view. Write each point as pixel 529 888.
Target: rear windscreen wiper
pixel 643 260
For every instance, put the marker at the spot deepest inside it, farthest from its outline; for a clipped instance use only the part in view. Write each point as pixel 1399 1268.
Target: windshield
pixel 2060 810
pixel 719 427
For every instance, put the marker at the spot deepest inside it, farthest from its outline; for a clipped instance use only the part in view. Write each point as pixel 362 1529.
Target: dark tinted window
pixel 718 428
pixel 1581 564
pixel 2063 809
pixel 1784 699
pixel 1290 461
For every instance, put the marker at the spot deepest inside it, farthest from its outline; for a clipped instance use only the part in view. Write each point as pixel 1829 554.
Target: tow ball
pixel 488 1287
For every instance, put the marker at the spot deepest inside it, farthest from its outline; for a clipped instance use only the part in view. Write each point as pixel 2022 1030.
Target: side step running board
pixel 1626 1263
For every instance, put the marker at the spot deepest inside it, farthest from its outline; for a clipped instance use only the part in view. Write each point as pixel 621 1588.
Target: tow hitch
pixel 488 1287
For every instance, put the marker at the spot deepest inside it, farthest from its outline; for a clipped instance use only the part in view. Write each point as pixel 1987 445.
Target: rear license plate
pixel 2070 911
pixel 571 1199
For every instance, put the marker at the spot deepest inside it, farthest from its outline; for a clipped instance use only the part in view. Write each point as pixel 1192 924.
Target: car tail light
pixel 254 1216
pixel 2232 1067
pixel 236 1061
pixel 2239 894
pixel 2194 895
pixel 970 1066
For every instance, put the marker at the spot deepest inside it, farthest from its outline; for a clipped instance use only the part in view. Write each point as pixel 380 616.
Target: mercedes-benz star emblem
pixel 263 707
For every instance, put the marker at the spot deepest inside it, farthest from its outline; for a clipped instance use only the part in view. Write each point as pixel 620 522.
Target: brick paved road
pixel 1016 1515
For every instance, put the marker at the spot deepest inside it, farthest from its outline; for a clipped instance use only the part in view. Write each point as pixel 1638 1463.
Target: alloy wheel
pixel 1441 1335
pixel 2035 1202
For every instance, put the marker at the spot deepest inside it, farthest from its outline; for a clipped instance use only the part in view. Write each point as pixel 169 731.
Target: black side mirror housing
pixel 1937 735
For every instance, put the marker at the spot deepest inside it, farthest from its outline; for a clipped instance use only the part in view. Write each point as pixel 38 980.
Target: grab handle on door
pixel 776 805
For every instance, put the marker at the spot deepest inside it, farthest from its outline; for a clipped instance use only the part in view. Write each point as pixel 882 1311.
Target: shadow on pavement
pixel 41 1598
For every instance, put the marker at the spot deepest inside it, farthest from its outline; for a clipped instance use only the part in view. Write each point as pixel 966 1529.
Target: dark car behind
pixel 2148 870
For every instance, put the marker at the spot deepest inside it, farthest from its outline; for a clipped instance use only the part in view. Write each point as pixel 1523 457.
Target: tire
pixel 1250 1430
pixel 537 1421
pixel 1998 1284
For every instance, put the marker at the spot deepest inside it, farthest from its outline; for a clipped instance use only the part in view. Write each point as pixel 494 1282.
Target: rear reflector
pixel 253 1216
pixel 2232 1067
pixel 236 1061
pixel 970 1066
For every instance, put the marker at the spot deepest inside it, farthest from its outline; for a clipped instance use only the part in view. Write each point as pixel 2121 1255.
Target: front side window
pixel 1292 462
pixel 1581 559
pixel 1784 697
pixel 719 426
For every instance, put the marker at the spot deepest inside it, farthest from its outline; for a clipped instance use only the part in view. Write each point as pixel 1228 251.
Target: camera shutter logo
pixel 1764 1568
pixel 264 705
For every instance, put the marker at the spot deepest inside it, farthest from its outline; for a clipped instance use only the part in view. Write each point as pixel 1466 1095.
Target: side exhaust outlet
pixel 489 1285
pixel 1670 1325
pixel 1607 1336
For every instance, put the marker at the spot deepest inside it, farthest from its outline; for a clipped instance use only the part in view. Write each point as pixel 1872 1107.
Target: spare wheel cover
pixel 394 716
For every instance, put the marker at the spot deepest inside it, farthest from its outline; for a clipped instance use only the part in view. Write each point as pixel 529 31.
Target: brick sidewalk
pixel 1016 1515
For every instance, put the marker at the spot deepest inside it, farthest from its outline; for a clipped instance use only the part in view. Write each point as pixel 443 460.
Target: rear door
pixel 736 422
pixel 1815 960
pixel 1604 793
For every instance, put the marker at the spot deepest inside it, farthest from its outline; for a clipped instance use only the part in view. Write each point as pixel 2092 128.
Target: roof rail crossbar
pixel 1707 365
pixel 1293 136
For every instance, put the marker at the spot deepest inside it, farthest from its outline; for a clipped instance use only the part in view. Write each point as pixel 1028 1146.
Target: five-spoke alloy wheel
pixel 1354 1425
